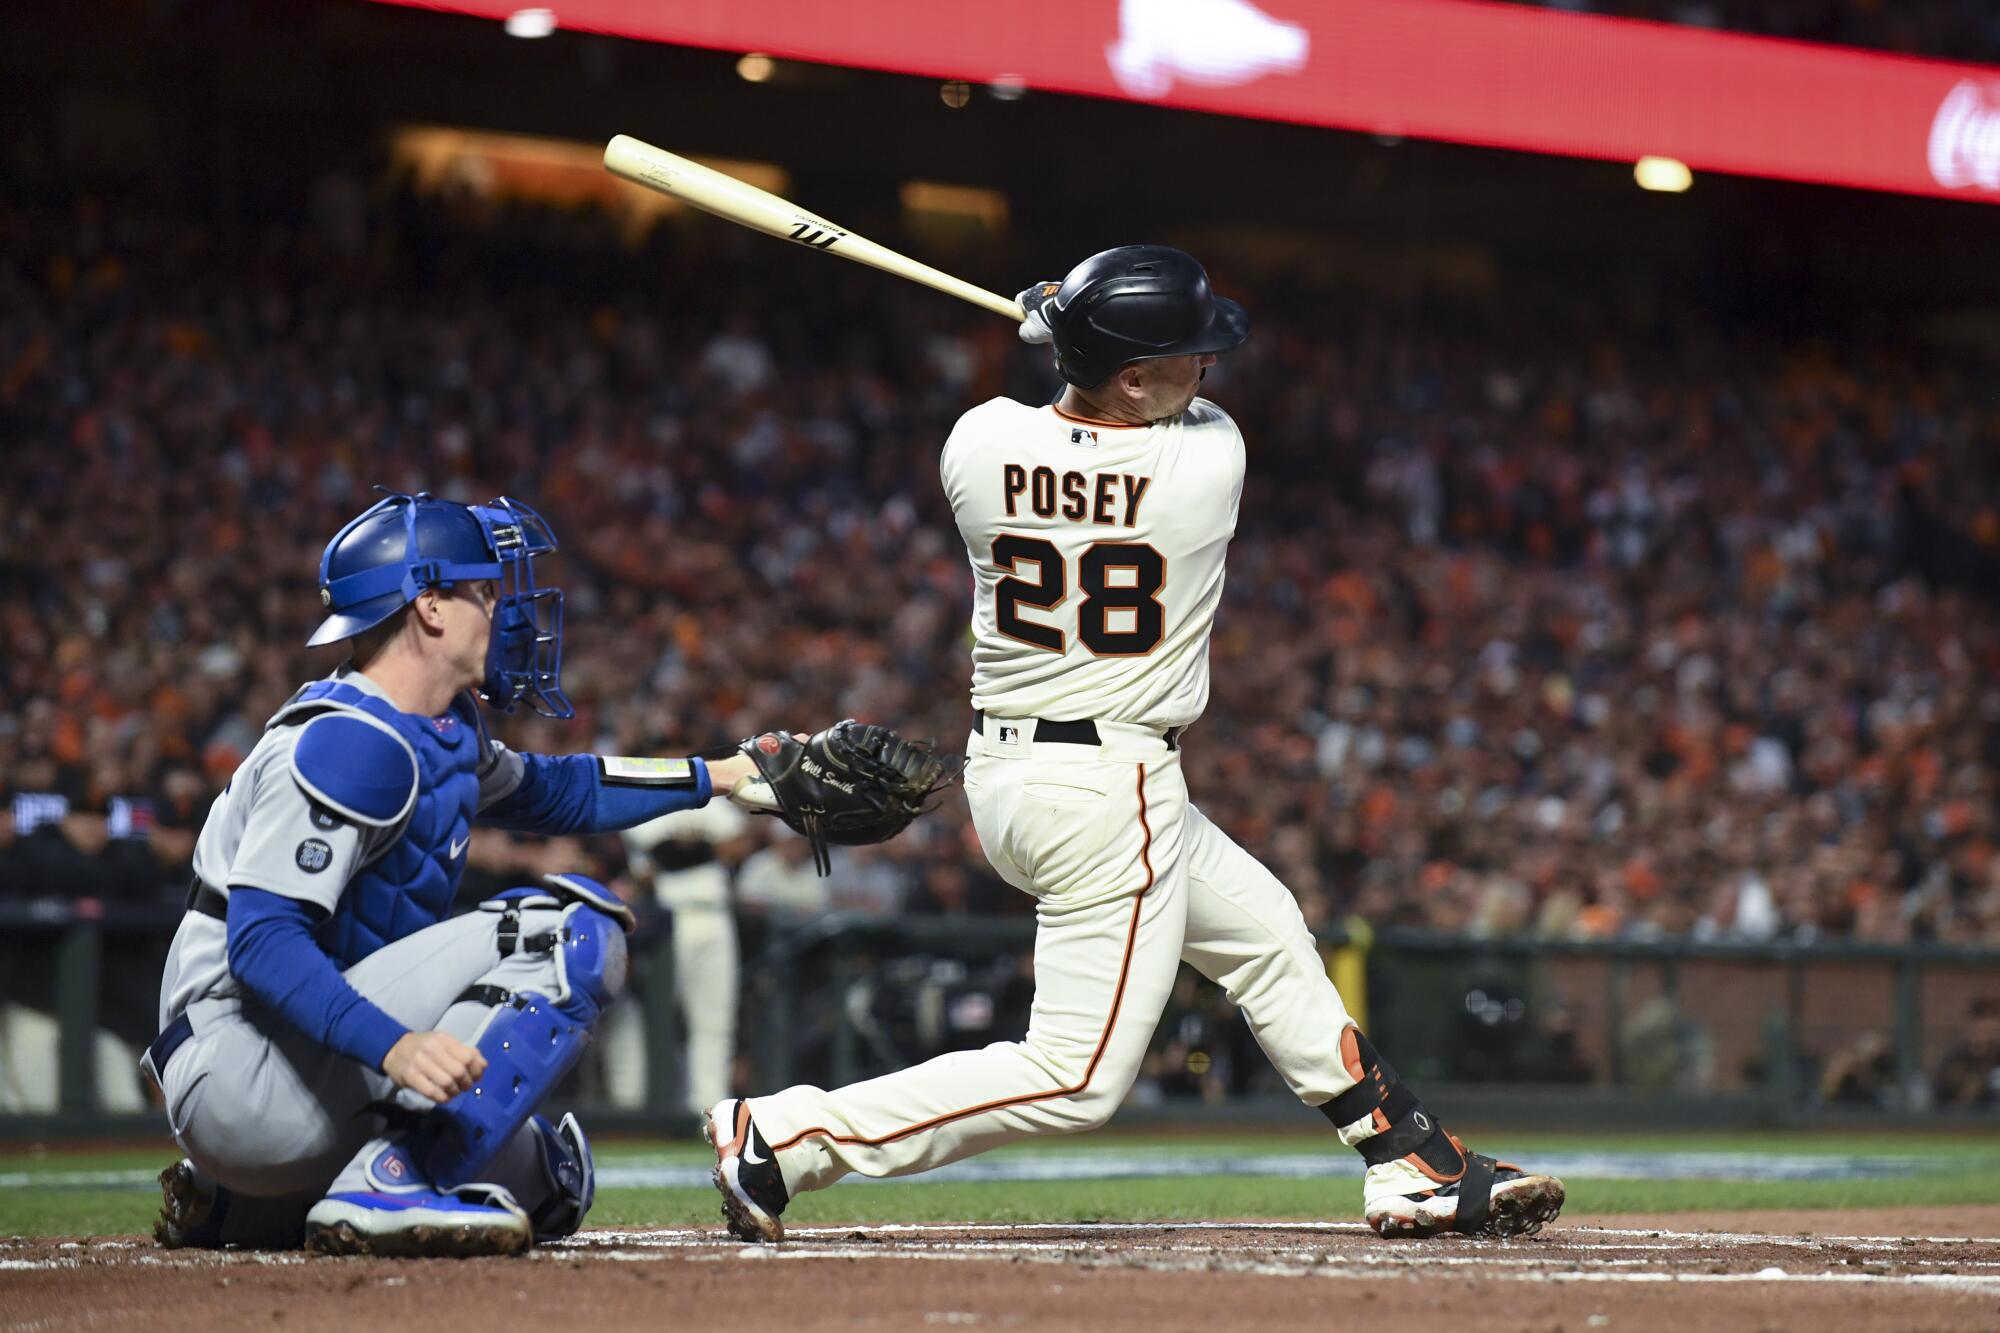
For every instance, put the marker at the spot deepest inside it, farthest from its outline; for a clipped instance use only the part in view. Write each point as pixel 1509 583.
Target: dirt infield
pixel 1884 1269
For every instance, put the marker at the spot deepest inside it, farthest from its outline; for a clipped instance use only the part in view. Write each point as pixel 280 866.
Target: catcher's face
pixel 465 624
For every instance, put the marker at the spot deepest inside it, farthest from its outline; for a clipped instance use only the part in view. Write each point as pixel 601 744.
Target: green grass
pixel 1948 1170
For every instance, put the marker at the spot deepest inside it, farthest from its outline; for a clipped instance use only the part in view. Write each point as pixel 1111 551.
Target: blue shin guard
pixel 530 1041
pixel 565 1159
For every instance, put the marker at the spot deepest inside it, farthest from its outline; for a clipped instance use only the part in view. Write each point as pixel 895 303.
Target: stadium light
pixel 756 67
pixel 531 23
pixel 959 203
pixel 1667 174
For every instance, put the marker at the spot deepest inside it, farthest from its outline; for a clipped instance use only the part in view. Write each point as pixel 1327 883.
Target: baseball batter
pixel 340 1062
pixel 1097 529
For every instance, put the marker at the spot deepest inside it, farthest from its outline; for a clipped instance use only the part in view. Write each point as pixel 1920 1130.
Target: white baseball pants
pixel 1129 880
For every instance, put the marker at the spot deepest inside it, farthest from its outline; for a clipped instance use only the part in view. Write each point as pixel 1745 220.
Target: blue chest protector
pixel 412 884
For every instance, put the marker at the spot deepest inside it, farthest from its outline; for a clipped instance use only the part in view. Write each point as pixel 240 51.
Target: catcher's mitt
pixel 850 784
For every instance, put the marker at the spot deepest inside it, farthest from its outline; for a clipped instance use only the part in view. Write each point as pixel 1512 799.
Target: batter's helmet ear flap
pixel 1135 303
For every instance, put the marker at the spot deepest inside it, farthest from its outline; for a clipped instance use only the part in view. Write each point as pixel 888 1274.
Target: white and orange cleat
pixel 1489 1198
pixel 746 1174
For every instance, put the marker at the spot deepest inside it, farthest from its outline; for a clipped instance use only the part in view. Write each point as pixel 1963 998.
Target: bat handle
pixel 1000 305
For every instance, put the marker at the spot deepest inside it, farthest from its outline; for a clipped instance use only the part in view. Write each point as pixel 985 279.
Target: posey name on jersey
pixel 1109 499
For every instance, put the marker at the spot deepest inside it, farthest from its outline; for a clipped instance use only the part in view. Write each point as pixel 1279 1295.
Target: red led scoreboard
pixel 1457 70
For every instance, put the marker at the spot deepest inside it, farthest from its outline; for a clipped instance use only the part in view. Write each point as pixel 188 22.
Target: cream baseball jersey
pixel 1098 554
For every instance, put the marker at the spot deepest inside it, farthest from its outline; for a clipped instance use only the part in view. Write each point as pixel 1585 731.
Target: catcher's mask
pixel 379 562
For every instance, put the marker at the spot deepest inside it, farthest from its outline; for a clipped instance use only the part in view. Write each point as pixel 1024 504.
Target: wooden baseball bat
pixel 741 202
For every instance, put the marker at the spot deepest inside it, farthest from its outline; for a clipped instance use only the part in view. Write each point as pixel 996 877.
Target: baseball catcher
pixel 346 1063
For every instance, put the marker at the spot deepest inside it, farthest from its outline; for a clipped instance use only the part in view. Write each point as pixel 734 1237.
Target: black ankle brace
pixel 1411 1129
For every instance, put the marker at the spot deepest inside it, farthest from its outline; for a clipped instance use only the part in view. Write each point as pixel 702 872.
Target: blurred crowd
pixel 1947 29
pixel 1540 619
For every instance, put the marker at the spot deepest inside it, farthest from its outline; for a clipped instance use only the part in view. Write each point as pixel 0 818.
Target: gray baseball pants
pixel 265 1111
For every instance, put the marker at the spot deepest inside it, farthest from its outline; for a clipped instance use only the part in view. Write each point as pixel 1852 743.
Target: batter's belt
pixel 1044 731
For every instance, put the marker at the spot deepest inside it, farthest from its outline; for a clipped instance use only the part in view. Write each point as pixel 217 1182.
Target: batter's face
pixel 1164 386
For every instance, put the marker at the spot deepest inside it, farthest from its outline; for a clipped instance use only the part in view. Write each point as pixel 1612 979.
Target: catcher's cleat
pixel 746 1174
pixel 391 1210
pixel 1493 1199
pixel 191 1209
pixel 474 1221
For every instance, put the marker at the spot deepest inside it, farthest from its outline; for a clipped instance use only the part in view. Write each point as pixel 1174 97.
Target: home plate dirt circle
pixel 1810 1268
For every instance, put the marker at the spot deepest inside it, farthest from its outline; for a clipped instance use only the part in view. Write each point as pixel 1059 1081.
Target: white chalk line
pixel 1398 1257
pixel 699 1234
pixel 1756 1238
pixel 1328 1265
pixel 675 1239
pixel 914 1241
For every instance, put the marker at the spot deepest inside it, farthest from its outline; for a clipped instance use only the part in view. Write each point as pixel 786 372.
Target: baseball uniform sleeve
pixel 949 466
pixel 294 845
pixel 963 446
pixel 272 952
pixel 500 774
pixel 589 793
pixel 1239 461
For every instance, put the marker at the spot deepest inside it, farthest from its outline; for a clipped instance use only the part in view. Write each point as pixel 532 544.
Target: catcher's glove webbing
pixel 850 784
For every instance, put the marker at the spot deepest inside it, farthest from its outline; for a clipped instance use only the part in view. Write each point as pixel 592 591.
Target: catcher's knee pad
pixel 530 1041
pixel 591 961
pixel 1403 1128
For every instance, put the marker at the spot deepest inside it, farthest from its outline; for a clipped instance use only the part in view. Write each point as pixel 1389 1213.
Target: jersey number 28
pixel 1121 614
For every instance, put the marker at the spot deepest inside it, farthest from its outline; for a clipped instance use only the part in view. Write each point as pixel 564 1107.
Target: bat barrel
pixel 715 192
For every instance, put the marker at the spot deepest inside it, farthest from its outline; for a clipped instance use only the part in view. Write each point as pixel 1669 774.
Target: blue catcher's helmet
pixel 377 564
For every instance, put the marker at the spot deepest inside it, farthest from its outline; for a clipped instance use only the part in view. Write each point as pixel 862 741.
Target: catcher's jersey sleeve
pixel 267 832
pixel 500 774
pixel 1097 555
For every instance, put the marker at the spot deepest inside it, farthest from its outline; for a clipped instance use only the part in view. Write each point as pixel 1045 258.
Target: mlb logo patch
pixel 1010 735
pixel 1083 436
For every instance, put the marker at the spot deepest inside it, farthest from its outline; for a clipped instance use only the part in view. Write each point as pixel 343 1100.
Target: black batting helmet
pixel 1134 303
